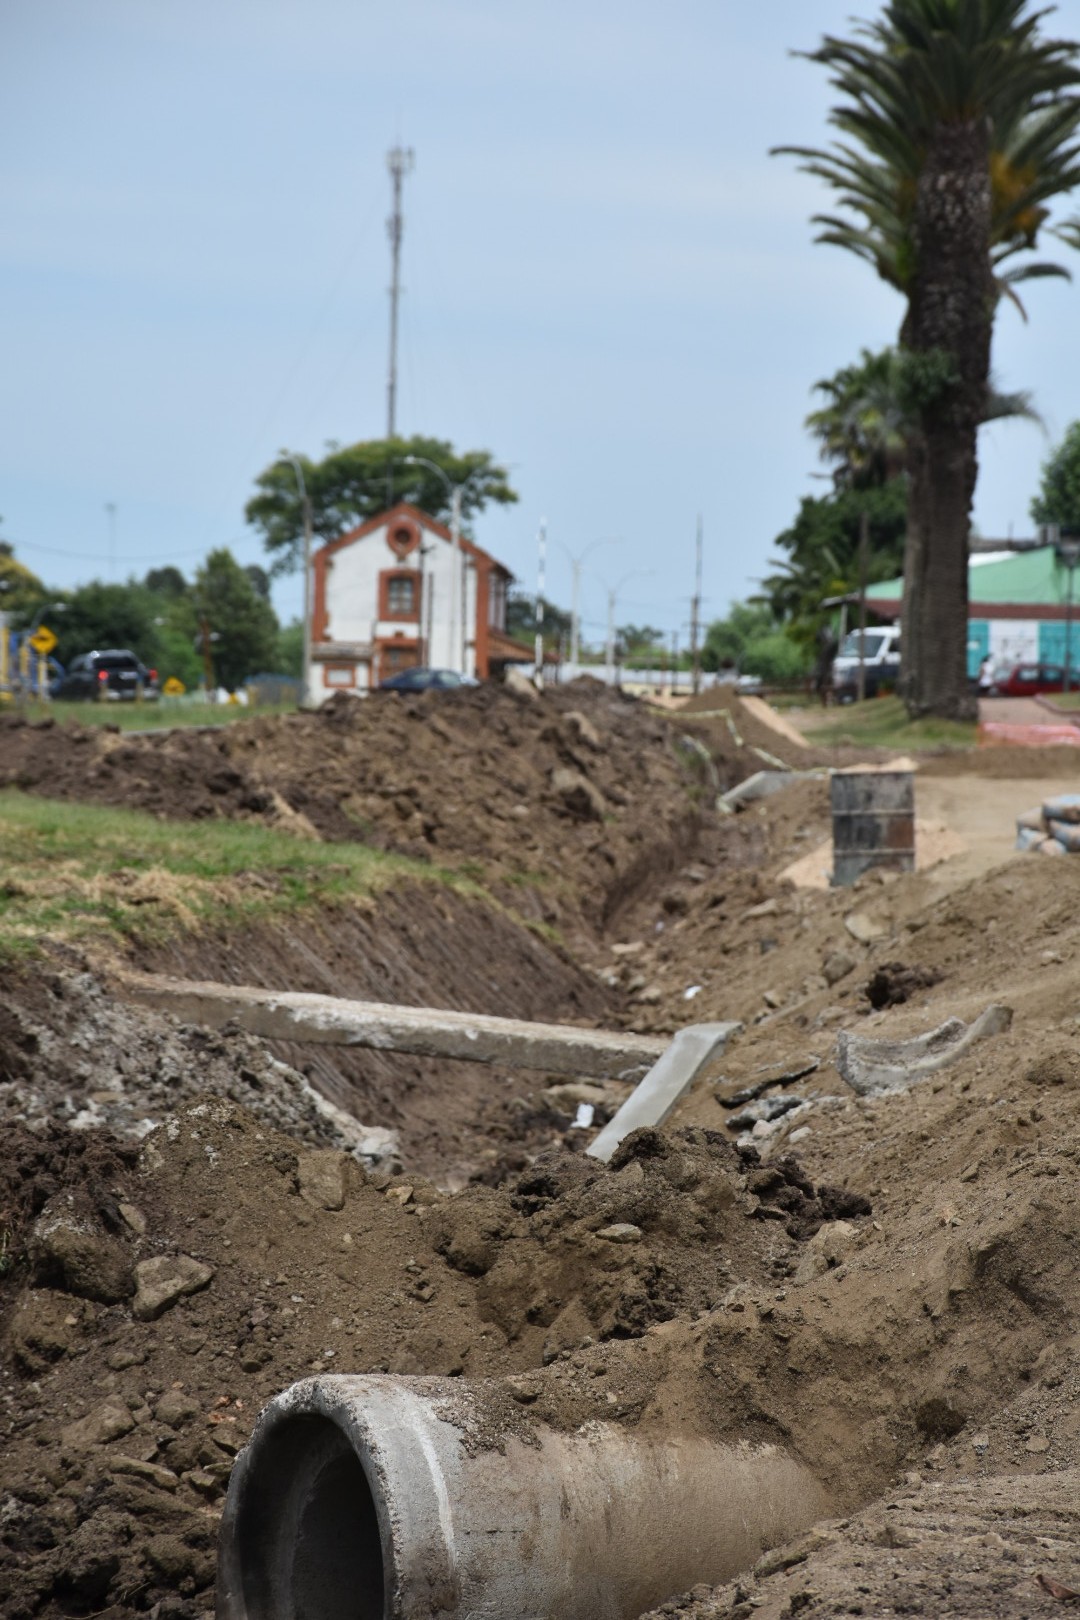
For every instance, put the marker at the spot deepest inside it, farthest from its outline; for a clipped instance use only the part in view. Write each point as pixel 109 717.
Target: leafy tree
pixel 822 547
pixel 167 581
pixel 726 640
pixel 21 591
pixel 358 481
pixel 958 122
pixel 241 625
pixel 639 638
pixel 776 658
pixel 521 618
pixel 1058 500
pixel 100 614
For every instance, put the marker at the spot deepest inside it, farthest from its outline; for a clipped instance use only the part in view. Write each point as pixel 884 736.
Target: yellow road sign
pixel 43 641
pixel 173 687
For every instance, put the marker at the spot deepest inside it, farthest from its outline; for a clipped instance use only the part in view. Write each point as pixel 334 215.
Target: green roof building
pixel 1018 607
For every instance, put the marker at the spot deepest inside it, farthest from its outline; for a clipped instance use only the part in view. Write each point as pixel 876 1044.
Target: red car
pixel 1027 680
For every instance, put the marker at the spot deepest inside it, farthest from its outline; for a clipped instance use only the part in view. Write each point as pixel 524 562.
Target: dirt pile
pixel 580 782
pixel 154 1298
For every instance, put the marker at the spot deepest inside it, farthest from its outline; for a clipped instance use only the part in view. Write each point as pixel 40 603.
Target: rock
pixel 578 794
pixel 40 1331
pixel 861 926
pixel 322 1178
pixel 399 1193
pixel 621 1232
pixel 772 998
pixel 766 1108
pixel 71 1252
pixel 832 1239
pixel 1037 1444
pixel 650 996
pixel 165 1279
pixel 633 948
pixel 134 1218
pixel 837 965
pixel 163 1478
pixel 176 1407
pixel 523 1390
pixel 583 729
pixel 1059 1068
pixel 106 1422
pixel 175 1561
pixel 520 685
pixel 765 908
pixel 980 1442
pixel 812 1265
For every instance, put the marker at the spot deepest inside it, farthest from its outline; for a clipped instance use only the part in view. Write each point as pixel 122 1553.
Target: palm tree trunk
pixel 951 313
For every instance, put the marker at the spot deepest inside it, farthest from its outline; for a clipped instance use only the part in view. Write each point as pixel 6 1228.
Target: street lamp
pixel 613 591
pixel 305 678
pixel 575 622
pixel 455 493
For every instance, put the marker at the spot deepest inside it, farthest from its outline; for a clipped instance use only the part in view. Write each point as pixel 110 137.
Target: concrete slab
pixel 281 1015
pixel 669 1079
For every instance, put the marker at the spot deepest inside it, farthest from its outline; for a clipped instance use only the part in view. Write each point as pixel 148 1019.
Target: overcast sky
pixel 609 284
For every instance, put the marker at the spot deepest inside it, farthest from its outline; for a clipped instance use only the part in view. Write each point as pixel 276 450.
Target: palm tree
pixel 959 123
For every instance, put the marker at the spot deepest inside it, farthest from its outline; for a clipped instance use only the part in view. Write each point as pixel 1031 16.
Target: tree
pixel 167 581
pixel 822 547
pixel 726 640
pixel 21 591
pixel 1058 500
pixel 100 614
pixel 290 649
pixel 241 625
pixel 357 482
pixel 521 618
pixel 640 638
pixel 959 125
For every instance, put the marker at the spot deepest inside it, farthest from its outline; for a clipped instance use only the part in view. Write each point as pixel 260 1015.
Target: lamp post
pixel 305 675
pixel 457 652
pixel 575 621
pixel 613 591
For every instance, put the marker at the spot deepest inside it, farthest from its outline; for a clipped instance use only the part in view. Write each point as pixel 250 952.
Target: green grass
pixel 883 723
pixel 150 716
pixel 80 871
pixel 1068 701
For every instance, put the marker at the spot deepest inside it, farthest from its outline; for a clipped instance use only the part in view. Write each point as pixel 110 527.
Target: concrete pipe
pixel 370 1498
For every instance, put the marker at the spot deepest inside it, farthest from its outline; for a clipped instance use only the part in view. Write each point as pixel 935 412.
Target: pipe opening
pixel 308 1545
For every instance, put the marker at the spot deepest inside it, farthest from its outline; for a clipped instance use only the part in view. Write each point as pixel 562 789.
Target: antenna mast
pixel 399 161
pixel 695 617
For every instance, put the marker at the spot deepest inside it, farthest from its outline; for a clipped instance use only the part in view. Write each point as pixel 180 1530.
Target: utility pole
pixel 399 160
pixel 541 565
pixel 695 617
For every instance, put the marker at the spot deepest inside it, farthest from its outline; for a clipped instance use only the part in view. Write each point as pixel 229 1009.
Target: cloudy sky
pixel 609 284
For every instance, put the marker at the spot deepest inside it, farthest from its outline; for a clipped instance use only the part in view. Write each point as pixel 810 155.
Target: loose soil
pixel 884 1286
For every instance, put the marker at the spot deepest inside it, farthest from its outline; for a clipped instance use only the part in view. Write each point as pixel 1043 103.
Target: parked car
pixel 422 680
pixel 111 676
pixel 1028 680
pixel 881 663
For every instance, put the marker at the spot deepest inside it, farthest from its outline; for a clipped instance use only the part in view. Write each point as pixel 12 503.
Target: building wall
pixel 352 606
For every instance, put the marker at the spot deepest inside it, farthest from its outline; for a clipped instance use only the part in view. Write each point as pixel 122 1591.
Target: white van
pixel 881 655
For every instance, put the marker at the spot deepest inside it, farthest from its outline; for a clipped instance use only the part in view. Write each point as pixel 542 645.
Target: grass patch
pixel 163 715
pixel 1068 702
pixel 883 723
pixel 79 871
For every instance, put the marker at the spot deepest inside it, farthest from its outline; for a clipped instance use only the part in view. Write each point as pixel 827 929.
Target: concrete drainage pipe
pixel 368 1498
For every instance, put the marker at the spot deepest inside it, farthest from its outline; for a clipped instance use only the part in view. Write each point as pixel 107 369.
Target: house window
pixel 400 595
pixel 341 674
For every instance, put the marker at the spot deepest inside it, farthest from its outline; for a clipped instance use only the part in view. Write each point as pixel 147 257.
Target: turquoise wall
pixel 978 645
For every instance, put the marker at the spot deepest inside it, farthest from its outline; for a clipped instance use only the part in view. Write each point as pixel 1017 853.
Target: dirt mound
pixel 239 1262
pixel 581 782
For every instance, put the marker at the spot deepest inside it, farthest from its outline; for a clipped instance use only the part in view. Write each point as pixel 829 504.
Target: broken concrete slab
pixel 873 1068
pixel 289 1015
pixel 669 1079
pixel 321 1174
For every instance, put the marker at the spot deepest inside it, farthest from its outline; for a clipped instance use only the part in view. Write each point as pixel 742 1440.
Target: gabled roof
pixel 430 524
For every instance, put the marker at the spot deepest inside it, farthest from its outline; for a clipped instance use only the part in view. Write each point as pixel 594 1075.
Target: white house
pixel 396 592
